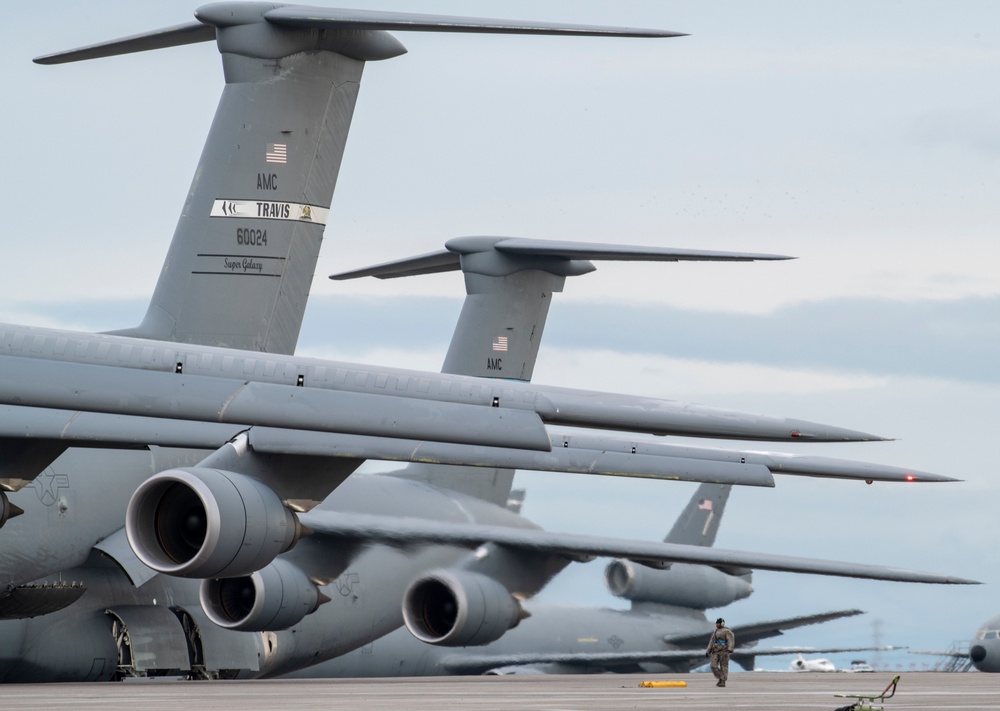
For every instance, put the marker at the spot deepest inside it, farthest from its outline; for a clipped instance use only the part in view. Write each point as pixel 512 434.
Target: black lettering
pixel 267 181
pixel 274 210
pixel 494 364
pixel 251 237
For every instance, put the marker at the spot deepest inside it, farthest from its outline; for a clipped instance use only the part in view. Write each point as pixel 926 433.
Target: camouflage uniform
pixel 720 646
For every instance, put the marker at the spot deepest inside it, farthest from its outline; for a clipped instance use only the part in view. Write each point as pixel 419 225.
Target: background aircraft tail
pixel 699 522
pixel 509 285
pixel 683 585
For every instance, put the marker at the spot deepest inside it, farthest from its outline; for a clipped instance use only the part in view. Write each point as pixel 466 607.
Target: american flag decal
pixel 705 504
pixel 500 344
pixel 276 153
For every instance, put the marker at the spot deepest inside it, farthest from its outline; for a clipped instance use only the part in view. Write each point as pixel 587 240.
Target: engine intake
pixel 274 598
pixel 456 608
pixel 208 523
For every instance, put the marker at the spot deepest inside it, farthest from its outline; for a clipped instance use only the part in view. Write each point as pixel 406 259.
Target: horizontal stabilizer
pixel 628 253
pixel 403 531
pixel 430 263
pixel 188 33
pixel 548 255
pixel 304 17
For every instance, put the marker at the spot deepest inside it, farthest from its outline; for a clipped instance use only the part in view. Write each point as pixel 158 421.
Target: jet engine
pixel 8 510
pixel 697 587
pixel 456 608
pixel 273 598
pixel 208 523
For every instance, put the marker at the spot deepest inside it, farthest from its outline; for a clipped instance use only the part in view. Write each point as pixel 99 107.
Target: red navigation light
pixel 910 477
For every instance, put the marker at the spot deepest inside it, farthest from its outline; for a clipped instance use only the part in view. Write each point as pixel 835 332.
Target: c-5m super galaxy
pixel 663 631
pixel 288 430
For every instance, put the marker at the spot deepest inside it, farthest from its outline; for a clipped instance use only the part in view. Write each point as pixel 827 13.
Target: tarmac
pixel 787 691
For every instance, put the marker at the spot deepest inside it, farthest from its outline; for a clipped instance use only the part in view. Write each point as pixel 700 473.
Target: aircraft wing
pixel 763 630
pixel 404 532
pixel 31 438
pixel 471 662
pixel 197 398
pixel 96 373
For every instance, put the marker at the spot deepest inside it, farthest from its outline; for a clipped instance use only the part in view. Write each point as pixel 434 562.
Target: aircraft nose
pixel 977 653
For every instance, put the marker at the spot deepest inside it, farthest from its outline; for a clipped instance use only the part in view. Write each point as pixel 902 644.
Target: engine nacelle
pixel 697 587
pixel 274 598
pixel 456 608
pixel 207 523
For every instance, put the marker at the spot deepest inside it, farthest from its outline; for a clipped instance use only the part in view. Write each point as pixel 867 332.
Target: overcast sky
pixel 863 138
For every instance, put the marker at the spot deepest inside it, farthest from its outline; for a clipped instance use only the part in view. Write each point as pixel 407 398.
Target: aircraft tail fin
pixel 509 284
pixel 239 268
pixel 699 522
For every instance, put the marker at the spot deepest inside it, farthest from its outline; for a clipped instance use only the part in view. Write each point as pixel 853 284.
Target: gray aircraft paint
pixel 251 228
pixel 225 209
pixel 178 309
pixel 254 177
pixel 364 599
pixel 566 639
pixel 227 280
pixel 984 650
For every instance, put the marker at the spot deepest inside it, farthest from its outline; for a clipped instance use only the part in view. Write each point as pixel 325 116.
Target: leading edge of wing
pixel 304 16
pixel 401 531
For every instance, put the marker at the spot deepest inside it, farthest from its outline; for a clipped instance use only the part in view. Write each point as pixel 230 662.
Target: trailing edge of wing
pixel 95 388
pixel 92 429
pixel 408 531
pixel 188 33
pixel 306 17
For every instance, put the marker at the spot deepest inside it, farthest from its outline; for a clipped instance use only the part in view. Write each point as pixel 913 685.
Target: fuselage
pixel 557 631
pixel 365 585
pixel 985 648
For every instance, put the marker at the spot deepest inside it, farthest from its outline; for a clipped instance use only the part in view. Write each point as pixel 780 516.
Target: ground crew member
pixel 720 646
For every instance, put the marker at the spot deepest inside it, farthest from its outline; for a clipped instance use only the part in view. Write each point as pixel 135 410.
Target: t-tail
pixel 509 285
pixel 244 252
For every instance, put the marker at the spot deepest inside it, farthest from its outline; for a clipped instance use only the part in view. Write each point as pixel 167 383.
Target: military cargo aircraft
pixel 664 630
pixel 315 420
pixel 366 412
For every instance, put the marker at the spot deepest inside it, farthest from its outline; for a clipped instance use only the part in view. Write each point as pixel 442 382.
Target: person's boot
pixel 721 683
